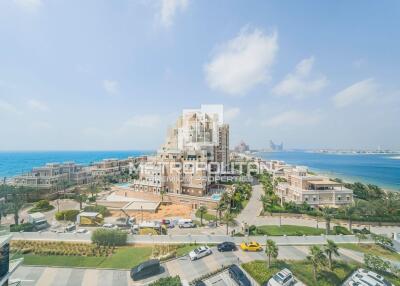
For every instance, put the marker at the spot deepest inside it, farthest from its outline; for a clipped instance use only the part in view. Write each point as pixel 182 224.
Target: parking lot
pixel 186 269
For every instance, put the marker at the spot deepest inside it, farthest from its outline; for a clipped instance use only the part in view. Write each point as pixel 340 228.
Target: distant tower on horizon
pixel 275 147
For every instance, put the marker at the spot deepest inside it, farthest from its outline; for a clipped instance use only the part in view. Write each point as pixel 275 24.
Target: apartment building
pixel 317 191
pixel 198 138
pixel 110 167
pixel 52 175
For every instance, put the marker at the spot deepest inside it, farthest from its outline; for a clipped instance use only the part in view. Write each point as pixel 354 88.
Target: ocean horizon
pixel 382 170
pixel 13 163
pixel 379 169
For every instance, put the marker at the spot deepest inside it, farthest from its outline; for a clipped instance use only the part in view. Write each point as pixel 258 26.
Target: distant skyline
pixel 113 75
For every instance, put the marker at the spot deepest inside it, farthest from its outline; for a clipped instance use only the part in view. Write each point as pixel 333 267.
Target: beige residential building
pixel 317 191
pixel 198 138
pixel 52 175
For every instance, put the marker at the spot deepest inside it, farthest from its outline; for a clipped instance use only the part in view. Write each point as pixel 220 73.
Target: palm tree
pixel 360 236
pixel 162 193
pixel 330 249
pixel 81 198
pixel 317 258
pixel 93 189
pixel 349 212
pixel 327 213
pixel 220 208
pixel 228 218
pixel 202 210
pixel 272 250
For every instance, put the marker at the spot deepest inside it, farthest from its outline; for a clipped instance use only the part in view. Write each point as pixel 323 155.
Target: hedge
pixel 113 237
pixel 26 227
pixel 67 215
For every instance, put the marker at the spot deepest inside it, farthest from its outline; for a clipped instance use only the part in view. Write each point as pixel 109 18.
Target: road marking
pixel 47 277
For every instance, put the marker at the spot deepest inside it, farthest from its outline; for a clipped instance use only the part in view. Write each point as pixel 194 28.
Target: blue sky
pixel 109 75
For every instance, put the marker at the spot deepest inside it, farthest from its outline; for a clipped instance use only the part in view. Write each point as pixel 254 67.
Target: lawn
pixel 372 249
pixel 124 258
pixel 290 230
pixel 303 270
pixel 207 216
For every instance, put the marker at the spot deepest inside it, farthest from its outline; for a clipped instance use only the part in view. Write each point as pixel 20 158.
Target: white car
pixel 110 226
pixel 82 230
pixel 283 277
pixel 365 280
pixel 199 253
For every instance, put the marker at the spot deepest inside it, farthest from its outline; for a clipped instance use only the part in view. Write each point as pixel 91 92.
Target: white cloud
pixel 8 108
pixel 292 118
pixel 168 10
pixel 28 5
pixel 301 83
pixel 242 62
pixel 364 91
pixel 231 113
pixel 111 86
pixel 141 121
pixel 37 105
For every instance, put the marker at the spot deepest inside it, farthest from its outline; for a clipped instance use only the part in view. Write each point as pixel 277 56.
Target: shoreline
pixel 333 174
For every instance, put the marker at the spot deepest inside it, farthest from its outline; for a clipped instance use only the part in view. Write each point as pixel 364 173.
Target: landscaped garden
pixel 98 254
pixel 290 230
pixel 41 206
pixel 374 249
pixel 303 270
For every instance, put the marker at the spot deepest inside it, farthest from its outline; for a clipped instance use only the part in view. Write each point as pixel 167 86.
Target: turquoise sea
pixel 14 163
pixel 379 169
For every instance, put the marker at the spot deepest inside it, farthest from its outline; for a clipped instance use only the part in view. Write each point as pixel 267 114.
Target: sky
pixel 114 75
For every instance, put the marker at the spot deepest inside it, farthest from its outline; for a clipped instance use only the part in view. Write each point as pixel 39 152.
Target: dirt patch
pixel 164 211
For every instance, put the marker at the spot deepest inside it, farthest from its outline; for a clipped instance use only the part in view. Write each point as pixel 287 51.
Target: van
pixel 146 269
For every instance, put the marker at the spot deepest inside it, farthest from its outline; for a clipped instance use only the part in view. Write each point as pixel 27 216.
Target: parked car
pixel 238 276
pixel 82 230
pixel 110 226
pixel 199 252
pixel 283 277
pixel 146 269
pixel 374 276
pixel 250 246
pixel 226 246
pixel 186 223
pixel 70 227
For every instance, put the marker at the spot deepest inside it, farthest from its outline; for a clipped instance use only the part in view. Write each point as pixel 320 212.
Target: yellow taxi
pixel 250 246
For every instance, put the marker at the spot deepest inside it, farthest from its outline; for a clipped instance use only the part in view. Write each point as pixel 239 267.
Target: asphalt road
pixel 186 269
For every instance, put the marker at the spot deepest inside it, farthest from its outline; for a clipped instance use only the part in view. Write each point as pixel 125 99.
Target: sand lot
pixel 164 211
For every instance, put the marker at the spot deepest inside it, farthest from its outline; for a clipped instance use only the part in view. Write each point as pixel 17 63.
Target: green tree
pixel 202 211
pixel 16 203
pixel 220 208
pixel 330 249
pixel 228 218
pixel 81 198
pixel 93 189
pixel 162 193
pixel 327 214
pixel 349 211
pixel 360 236
pixel 376 263
pixel 272 250
pixel 317 259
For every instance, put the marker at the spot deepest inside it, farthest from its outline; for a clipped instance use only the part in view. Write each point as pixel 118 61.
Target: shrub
pixel 26 227
pixel 376 263
pixel 109 237
pixel 337 229
pixel 69 215
pixel 167 281
pixel 41 206
pixel 99 209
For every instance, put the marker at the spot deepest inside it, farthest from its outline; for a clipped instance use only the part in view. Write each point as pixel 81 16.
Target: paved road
pixel 208 239
pixel 251 212
pixel 186 269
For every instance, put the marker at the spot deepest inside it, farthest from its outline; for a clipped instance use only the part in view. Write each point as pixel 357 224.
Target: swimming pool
pixel 123 185
pixel 216 197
